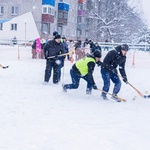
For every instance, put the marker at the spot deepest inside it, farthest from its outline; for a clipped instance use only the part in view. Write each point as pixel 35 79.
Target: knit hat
pixel 125 47
pixel 57 36
pixel 63 37
pixel 55 33
pixel 97 54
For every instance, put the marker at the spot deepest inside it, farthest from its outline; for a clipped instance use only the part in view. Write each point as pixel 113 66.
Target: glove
pixel 115 71
pixel 46 57
pixel 125 80
pixel 56 57
pixel 95 87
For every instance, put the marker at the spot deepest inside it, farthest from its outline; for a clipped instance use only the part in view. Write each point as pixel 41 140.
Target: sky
pixel 142 5
pixel 146 9
pixel 34 116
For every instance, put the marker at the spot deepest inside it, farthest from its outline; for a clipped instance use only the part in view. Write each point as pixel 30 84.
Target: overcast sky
pixel 146 9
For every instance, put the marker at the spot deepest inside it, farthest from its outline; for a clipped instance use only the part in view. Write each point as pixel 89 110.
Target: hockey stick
pixel 4 67
pixel 142 95
pixel 123 100
pixel 63 54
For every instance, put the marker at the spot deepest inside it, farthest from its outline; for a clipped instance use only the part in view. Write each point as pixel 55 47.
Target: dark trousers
pixel 76 80
pixel 51 65
pixel 107 76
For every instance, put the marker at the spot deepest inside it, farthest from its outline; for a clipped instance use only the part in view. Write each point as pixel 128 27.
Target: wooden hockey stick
pixel 4 67
pixel 63 54
pixel 142 95
pixel 123 100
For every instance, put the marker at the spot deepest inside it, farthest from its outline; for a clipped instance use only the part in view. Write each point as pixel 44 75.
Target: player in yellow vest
pixel 84 68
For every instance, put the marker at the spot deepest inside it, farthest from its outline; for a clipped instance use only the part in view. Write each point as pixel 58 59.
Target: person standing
pixel 64 41
pixel 34 54
pixel 96 47
pixel 53 48
pixel 109 71
pixel 84 68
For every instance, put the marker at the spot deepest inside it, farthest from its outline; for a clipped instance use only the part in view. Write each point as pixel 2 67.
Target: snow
pixel 34 116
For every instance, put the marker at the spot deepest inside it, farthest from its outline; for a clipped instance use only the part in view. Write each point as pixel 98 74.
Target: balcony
pixel 47 18
pixel 63 6
pixel 62 17
pixel 48 2
pixel 82 1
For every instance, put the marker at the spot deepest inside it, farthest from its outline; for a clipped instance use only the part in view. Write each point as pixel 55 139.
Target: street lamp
pixel 25 31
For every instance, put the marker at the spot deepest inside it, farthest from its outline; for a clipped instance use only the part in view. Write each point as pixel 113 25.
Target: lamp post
pixel 25 31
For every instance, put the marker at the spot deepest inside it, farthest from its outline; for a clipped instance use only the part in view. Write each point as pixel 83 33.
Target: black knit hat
pixel 125 47
pixel 55 33
pixel 97 54
pixel 57 36
pixel 63 37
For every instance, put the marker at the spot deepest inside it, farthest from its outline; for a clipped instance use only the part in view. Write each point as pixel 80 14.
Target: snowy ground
pixel 38 117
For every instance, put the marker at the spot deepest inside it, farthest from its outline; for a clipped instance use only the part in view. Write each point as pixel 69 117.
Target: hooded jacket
pixel 113 59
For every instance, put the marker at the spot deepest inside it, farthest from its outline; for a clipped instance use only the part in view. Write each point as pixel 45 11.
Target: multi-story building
pixel 49 15
pixel 82 27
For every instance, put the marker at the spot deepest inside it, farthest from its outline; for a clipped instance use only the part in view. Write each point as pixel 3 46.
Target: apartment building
pixel 82 26
pixel 48 15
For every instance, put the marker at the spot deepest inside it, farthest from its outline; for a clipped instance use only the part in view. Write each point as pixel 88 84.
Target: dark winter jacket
pixel 34 45
pixel 52 48
pixel 65 46
pixel 113 59
pixel 90 65
pixel 77 45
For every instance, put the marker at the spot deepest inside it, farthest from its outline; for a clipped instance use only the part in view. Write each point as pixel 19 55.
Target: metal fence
pixel 141 47
pixel 104 45
pixel 18 42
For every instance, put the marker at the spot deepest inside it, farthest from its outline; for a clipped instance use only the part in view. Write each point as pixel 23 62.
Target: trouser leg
pixel 106 81
pixel 48 70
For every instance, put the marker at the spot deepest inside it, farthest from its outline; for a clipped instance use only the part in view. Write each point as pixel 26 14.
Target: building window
pixel 14 26
pixel 44 10
pixel 60 30
pixel 79 19
pixel 65 16
pixel 14 10
pixel 1 10
pixel 48 10
pixel 60 15
pixel 45 28
pixel 79 33
pixel 1 26
pixel 55 14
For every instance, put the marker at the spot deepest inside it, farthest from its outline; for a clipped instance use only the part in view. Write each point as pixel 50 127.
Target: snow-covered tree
pixel 113 20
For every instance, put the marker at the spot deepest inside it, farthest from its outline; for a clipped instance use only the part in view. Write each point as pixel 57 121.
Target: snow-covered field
pixel 34 116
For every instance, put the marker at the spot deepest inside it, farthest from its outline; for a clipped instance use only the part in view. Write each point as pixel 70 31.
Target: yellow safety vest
pixel 82 64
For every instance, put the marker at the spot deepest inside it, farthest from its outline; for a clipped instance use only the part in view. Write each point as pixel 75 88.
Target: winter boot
pixel 64 88
pixel 88 91
pixel 45 83
pixel 104 97
pixel 114 97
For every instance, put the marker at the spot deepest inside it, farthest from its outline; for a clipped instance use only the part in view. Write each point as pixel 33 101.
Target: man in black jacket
pixel 53 48
pixel 113 59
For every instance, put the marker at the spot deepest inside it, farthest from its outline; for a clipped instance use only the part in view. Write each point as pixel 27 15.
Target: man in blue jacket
pixel 109 72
